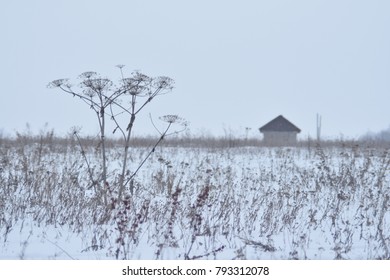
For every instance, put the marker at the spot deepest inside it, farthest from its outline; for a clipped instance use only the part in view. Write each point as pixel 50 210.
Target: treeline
pixel 383 136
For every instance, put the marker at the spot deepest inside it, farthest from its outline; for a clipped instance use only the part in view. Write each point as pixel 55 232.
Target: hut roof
pixel 280 124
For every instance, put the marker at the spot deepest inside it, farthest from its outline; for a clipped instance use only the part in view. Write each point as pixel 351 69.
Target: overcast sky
pixel 236 64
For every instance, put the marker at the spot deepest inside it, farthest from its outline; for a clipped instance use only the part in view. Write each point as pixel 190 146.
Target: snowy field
pixel 197 203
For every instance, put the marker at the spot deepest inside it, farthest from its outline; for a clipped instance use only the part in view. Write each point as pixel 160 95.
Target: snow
pixel 198 203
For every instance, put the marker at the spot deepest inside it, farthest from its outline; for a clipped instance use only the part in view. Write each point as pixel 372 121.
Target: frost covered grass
pixel 196 203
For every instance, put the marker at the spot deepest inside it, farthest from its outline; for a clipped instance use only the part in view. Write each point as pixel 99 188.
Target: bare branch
pixel 113 117
pixel 151 120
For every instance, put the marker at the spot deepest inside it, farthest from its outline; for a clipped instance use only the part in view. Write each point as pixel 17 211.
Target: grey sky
pixel 236 64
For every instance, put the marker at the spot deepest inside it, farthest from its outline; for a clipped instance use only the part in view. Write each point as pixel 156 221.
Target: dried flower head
pixel 137 84
pixel 88 75
pixel 171 118
pixel 75 130
pixel 138 76
pixel 98 84
pixel 58 83
pixel 164 82
pixel 89 92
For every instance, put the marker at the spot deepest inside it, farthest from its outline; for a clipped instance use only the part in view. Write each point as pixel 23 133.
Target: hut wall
pixel 279 138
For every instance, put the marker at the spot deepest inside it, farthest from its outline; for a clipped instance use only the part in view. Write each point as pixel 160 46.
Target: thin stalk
pixel 86 160
pixel 127 145
pixel 103 143
pixel 148 155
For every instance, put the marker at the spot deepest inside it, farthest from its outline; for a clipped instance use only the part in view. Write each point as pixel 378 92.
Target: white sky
pixel 236 64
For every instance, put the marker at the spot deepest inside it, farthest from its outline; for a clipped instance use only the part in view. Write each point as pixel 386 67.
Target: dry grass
pixel 203 201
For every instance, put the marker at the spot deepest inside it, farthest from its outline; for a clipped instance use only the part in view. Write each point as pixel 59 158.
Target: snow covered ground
pixel 198 203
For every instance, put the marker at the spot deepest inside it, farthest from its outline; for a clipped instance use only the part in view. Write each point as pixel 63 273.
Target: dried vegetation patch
pixel 203 203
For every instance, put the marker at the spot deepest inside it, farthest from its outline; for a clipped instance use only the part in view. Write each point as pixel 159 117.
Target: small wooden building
pixel 279 131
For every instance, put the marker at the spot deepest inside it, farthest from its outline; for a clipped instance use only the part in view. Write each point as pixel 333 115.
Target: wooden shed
pixel 279 131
